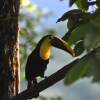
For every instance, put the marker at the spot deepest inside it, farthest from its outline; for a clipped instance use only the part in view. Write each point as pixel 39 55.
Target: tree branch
pixel 54 78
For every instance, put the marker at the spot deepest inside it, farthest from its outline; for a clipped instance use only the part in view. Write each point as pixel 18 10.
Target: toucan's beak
pixel 61 44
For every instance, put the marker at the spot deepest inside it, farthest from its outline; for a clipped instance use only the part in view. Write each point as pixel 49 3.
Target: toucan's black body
pixel 35 66
pixel 39 58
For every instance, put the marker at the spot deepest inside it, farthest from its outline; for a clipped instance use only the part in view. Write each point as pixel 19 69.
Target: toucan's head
pixel 48 41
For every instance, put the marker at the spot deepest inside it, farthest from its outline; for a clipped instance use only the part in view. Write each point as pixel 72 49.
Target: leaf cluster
pixel 83 33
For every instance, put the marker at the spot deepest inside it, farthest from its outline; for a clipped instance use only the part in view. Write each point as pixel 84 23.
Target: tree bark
pixel 9 47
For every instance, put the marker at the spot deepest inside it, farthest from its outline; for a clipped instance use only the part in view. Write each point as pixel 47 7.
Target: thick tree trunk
pixel 9 46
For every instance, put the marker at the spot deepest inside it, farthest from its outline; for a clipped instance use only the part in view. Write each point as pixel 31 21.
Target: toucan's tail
pixel 32 84
pixel 29 84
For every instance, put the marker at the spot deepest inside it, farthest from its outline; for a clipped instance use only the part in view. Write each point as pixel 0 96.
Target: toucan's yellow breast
pixel 45 49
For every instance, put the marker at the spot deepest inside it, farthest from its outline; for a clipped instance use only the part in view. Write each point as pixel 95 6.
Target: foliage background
pixel 36 21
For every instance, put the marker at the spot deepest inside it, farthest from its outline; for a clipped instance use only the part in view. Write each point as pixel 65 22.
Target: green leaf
pixel 69 14
pixel 29 24
pixel 78 71
pixel 32 7
pixel 23 75
pixel 94 68
pixel 98 3
pixel 75 18
pixel 79 47
pixel 71 24
pixel 82 4
pixel 23 31
pixel 96 17
pixel 89 66
pixel 79 33
pixel 92 37
pixel 71 2
pixel 89 32
pixel 75 21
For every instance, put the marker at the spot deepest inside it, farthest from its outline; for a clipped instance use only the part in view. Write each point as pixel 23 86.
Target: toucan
pixel 39 58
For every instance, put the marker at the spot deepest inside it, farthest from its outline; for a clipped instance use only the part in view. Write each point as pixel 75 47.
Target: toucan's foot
pixel 34 82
